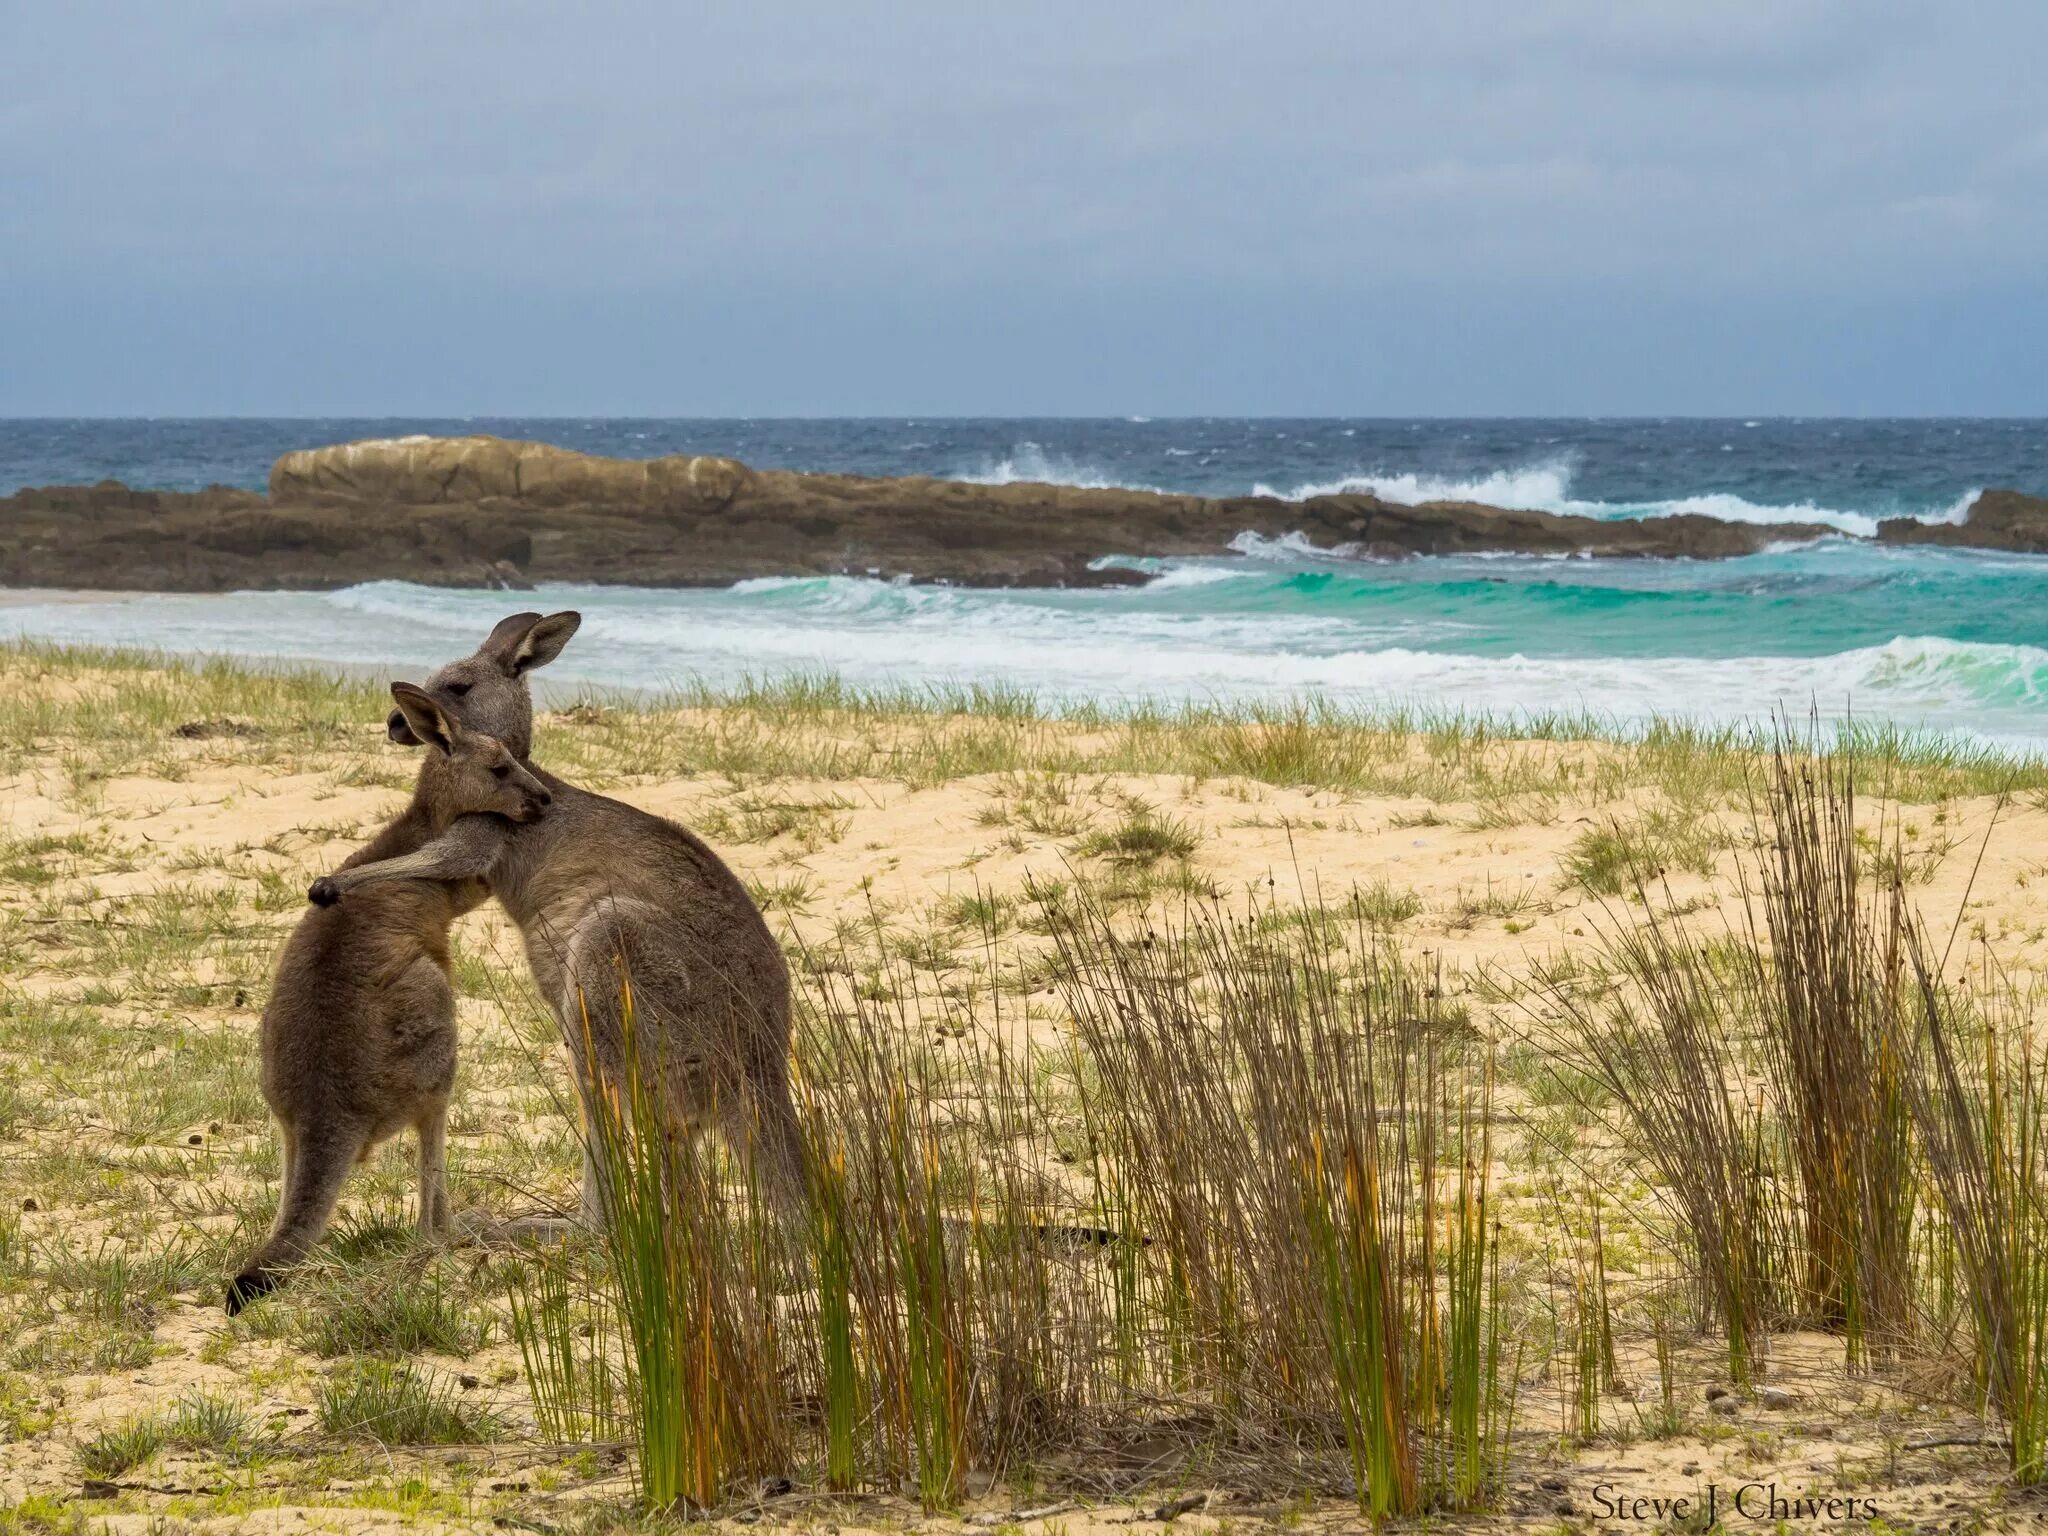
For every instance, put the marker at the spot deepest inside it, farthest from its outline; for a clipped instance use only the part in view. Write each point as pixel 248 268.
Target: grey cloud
pixel 1744 152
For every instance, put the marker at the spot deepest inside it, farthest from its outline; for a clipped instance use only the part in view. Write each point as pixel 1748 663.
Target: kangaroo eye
pixel 502 771
pixel 459 689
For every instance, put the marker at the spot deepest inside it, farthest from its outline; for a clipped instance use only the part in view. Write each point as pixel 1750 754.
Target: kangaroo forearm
pixel 466 851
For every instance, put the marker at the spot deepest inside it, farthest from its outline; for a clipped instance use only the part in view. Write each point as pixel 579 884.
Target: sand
pixel 1495 900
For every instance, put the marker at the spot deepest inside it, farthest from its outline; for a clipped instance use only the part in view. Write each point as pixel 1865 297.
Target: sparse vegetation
pixel 1142 837
pixel 1195 1106
pixel 1631 851
pixel 395 1404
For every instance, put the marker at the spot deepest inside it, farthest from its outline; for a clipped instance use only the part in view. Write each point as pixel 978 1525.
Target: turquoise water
pixel 1948 641
pixel 1810 601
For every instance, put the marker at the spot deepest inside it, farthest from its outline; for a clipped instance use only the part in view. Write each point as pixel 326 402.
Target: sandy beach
pixel 159 825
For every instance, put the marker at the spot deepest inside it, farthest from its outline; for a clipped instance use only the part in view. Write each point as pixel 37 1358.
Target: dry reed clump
pixel 1836 1051
pixel 1248 1201
pixel 1844 1141
pixel 1978 1095
pixel 1247 1205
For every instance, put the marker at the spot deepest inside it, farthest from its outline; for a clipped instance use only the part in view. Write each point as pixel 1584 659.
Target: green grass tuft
pixel 397 1405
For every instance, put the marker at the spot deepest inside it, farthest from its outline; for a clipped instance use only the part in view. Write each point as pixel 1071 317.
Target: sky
pixel 807 207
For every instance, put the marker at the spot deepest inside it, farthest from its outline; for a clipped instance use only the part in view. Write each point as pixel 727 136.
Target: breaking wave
pixel 1539 487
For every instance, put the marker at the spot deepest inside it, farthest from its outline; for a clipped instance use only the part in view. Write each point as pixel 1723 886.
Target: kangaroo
pixel 613 902
pixel 358 1039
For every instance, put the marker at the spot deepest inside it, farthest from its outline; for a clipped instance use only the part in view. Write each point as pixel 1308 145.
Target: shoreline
pixel 1096 658
pixel 1982 759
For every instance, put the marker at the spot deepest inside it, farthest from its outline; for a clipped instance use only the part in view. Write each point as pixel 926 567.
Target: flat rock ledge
pixel 487 512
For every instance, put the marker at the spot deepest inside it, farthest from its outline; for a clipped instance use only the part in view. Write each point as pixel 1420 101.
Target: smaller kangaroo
pixel 358 1039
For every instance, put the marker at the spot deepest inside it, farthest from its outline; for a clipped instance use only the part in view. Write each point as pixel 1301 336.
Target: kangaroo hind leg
pixel 435 1219
pixel 319 1159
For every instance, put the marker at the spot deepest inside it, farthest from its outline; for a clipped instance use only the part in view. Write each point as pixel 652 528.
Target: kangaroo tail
pixel 312 1186
pixel 778 1149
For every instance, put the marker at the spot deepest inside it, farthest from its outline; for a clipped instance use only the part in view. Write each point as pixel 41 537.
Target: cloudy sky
pixel 1459 207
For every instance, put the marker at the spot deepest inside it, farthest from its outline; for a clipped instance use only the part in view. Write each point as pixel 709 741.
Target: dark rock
pixel 504 576
pixel 2005 520
pixel 484 512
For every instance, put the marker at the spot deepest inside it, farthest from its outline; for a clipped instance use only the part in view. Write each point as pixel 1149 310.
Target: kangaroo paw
pixel 247 1287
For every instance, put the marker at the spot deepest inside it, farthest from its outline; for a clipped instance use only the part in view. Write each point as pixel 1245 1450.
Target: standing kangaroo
pixel 614 903
pixel 358 1039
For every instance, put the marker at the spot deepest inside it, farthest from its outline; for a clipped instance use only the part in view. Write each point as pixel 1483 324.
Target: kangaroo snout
pixel 535 803
pixel 396 728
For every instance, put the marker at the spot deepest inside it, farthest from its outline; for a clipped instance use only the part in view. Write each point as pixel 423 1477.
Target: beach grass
pixel 113 711
pixel 1276 1116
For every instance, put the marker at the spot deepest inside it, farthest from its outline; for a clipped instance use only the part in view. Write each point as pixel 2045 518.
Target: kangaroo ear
pixel 527 640
pixel 503 643
pixel 427 719
pixel 544 642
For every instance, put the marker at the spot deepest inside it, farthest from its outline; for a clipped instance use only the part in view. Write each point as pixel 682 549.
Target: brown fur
pixel 608 898
pixel 358 1040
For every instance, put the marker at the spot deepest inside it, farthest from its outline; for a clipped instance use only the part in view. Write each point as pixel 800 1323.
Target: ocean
pixel 1944 641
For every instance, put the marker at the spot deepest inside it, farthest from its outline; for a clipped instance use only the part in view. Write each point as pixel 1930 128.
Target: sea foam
pixel 1540 487
pixel 1547 488
pixel 1195 635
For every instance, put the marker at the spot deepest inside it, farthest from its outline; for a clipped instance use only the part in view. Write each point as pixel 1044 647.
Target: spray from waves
pixel 1030 464
pixel 1547 488
pixel 1287 548
pixel 1537 487
pixel 1181 578
pixel 1542 487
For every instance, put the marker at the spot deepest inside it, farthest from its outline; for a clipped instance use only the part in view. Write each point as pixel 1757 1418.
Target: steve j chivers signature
pixel 1716 1501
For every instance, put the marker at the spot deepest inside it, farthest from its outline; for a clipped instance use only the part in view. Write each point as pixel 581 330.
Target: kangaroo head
pixel 477 772
pixel 487 692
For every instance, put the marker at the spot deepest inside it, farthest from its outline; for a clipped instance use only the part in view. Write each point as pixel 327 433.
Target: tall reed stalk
pixel 1830 1009
pixel 840 1378
pixel 564 1339
pixel 1314 1176
pixel 1663 1047
pixel 693 1270
pixel 1980 1100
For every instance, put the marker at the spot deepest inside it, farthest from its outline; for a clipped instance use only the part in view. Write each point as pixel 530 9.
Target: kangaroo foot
pixel 249 1286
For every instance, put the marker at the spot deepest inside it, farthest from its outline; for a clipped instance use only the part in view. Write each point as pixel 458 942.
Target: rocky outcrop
pixel 481 511
pixel 438 471
pixel 2004 520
